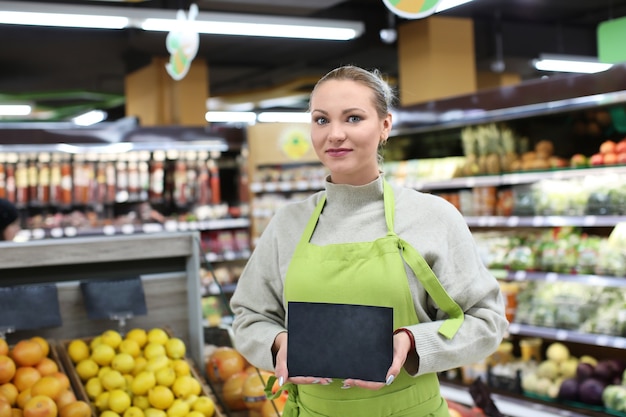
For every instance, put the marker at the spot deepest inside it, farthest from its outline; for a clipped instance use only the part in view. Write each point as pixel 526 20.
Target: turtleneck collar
pixel 352 197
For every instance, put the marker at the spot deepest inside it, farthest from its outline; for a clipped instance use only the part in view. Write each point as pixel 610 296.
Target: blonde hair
pixel 384 96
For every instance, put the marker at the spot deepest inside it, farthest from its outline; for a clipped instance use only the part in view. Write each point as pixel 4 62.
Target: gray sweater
pixel 430 224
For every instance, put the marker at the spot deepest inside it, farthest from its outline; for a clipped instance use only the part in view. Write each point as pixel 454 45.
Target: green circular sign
pixel 412 9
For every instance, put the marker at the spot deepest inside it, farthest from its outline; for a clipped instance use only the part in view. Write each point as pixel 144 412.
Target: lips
pixel 336 152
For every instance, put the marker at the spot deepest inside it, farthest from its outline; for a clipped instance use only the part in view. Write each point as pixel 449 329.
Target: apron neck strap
pixel 390 207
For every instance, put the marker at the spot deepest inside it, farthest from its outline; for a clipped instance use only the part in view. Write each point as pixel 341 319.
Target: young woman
pixel 414 252
pixel 9 220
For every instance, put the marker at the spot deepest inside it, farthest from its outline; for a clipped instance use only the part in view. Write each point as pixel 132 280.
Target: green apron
pixel 366 273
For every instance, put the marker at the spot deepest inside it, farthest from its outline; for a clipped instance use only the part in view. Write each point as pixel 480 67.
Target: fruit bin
pixel 81 388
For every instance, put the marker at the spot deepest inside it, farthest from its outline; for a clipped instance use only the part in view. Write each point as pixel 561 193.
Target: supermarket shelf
pixel 568 336
pixel 130 229
pixel 286 186
pixel 543 221
pixel 508 406
pixel 596 280
pixel 228 256
pixel 517 178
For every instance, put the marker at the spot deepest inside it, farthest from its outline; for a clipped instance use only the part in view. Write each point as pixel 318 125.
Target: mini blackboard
pixel 114 299
pixel 29 307
pixel 339 340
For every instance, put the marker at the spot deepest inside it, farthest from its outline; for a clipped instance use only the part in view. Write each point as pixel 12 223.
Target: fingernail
pixel 316 381
pixel 390 379
pixel 280 381
pixel 327 382
pixel 344 386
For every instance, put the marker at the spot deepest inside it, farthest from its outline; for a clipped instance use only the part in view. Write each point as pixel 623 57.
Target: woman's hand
pixel 281 371
pixel 401 347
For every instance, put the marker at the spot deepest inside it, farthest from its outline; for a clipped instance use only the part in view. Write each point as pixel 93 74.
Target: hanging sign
pixel 610 37
pixel 29 307
pixel 114 299
pixel 412 9
pixel 182 44
pixel 294 143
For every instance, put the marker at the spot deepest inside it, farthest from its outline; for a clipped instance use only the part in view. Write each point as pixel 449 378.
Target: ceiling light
pixel 15 109
pixel 90 118
pixel 569 63
pixel 230 117
pixel 19 13
pixel 284 117
pixel 448 4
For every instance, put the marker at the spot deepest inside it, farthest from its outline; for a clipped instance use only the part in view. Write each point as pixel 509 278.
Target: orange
pixel 23 397
pixel 48 386
pixel 47 366
pixel 40 406
pixel 63 379
pixel 5 407
pixel 45 346
pixel 25 377
pixel 7 369
pixel 9 391
pixel 4 347
pixel 64 398
pixel 76 409
pixel 27 353
pixel 17 412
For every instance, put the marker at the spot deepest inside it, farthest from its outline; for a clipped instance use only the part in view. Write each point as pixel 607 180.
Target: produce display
pixel 143 373
pixel 34 384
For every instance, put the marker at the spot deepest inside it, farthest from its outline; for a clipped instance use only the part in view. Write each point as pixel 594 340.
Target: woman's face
pixel 11 231
pixel 346 131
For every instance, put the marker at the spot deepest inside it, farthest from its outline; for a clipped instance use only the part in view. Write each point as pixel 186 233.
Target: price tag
pixel 512 221
pixel 561 334
pixel 552 277
pixel 590 220
pixel 271 187
pixel 171 225
pixel 284 186
pixel 537 221
pixel 256 187
pixel 38 233
pixel 183 226
pixel 108 230
pixel 114 298
pixel 230 255
pixel 56 232
pixel 70 231
pixel 520 275
pixel 514 328
pixel 29 307
pixel 152 228
pixel 128 229
pixel 193 225
pixel 619 342
pixel 470 182
pixel 602 340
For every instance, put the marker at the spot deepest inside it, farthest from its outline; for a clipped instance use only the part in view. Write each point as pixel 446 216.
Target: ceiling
pixel 45 61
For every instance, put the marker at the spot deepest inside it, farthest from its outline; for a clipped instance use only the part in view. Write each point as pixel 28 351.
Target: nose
pixel 336 132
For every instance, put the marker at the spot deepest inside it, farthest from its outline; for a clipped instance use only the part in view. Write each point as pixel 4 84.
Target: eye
pixel 320 120
pixel 354 119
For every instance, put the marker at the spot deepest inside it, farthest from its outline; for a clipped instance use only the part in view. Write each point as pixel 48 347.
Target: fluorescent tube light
pixel 22 13
pixel 15 109
pixel 284 117
pixel 448 4
pixel 230 117
pixel 568 63
pixel 90 118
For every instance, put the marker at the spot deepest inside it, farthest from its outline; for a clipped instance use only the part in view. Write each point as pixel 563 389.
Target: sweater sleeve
pixel 452 254
pixel 257 303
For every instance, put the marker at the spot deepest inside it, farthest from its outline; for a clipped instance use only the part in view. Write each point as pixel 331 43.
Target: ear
pixel 386 124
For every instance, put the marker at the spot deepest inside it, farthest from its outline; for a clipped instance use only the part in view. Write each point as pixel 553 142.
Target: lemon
pixel 184 386
pixel 158 336
pixel 113 380
pixel 161 397
pixel 138 335
pixel 205 405
pixel 191 399
pixel 154 412
pixel 112 338
pixel 123 362
pixel 142 383
pixel 193 413
pixel 141 401
pixel 78 350
pixel 181 367
pixel 119 400
pixel 131 347
pixel 165 376
pixel 179 408
pixel 87 368
pixel 103 354
pixel 140 365
pixel 152 350
pixel 103 370
pixel 95 342
pixel 133 412
pixel 175 348
pixel 156 363
pixel 109 413
pixel 102 401
pixel 93 387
